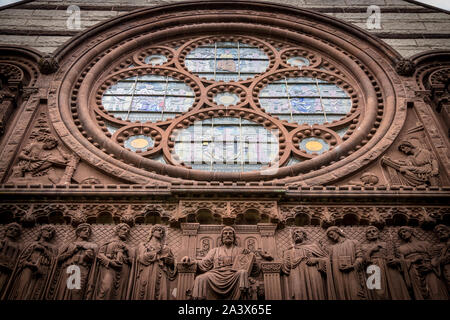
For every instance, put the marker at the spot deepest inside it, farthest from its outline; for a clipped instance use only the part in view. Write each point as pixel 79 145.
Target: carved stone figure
pixel 423 277
pixel 113 267
pixel 33 269
pixel 222 280
pixel 375 252
pixel 38 158
pixel 10 248
pixel 345 271
pixel 441 253
pixel 80 253
pixel 305 265
pixel 419 168
pixel 154 267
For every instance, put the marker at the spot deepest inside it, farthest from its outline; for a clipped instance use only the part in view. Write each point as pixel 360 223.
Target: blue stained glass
pixel 274 90
pixel 298 61
pixel 178 104
pixel 116 103
pixel 152 77
pixel 143 103
pixel 226 144
pixel 309 118
pixel 121 88
pixel 159 158
pixel 331 90
pixel 292 160
pixel 179 88
pixel 306 105
pixel 341 106
pixel 303 90
pixel 275 105
pixel 226 61
pixel 252 65
pixel 111 128
pixel 154 88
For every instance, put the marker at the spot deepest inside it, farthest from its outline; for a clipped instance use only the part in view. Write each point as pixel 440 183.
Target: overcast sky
pixel 444 4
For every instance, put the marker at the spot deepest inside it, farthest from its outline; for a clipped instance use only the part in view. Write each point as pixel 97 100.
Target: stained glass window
pixel 305 100
pixel 148 98
pixel 227 61
pixel 226 144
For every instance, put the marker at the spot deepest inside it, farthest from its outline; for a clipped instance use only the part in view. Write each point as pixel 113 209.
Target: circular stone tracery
pixel 361 129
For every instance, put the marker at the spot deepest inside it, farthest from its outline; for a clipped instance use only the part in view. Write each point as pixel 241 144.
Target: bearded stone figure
pixel 441 254
pixel 10 248
pixel 305 266
pixel 375 252
pixel 423 277
pixel 220 279
pixel 154 267
pixel 33 269
pixel 345 271
pixel 113 267
pixel 80 253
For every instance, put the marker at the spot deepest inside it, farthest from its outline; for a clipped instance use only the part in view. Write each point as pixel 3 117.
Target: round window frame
pixel 378 81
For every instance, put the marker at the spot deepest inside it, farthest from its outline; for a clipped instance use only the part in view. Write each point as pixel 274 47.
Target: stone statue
pixel 423 277
pixel 113 267
pixel 345 271
pixel 10 248
pixel 375 252
pixel 420 167
pixel 222 280
pixel 154 267
pixel 80 253
pixel 39 157
pixel 305 265
pixel 441 253
pixel 33 268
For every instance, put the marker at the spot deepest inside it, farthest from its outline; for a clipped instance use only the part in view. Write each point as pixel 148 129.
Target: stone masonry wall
pixel 409 28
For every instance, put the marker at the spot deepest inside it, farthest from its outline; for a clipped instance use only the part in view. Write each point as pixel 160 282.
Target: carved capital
pixel 190 229
pixel 271 267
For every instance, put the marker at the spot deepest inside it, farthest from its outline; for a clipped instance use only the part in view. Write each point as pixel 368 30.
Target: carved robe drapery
pixel 32 272
pixel 424 278
pixel 305 282
pixel 81 254
pixel 441 257
pixel 154 269
pixel 110 282
pixel 346 285
pixel 220 281
pixel 9 252
pixel 392 284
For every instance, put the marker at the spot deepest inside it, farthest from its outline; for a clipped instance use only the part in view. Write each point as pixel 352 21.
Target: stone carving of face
pixel 405 234
pixel 13 231
pixel 47 234
pixel 372 234
pixel 298 236
pixel 442 232
pixel 158 233
pixel 406 149
pixel 122 232
pixel 228 236
pixel 84 233
pixel 333 235
pixel 50 144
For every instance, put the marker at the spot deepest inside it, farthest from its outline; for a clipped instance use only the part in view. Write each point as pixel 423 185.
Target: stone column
pixel 186 275
pixel 272 282
pixel 189 239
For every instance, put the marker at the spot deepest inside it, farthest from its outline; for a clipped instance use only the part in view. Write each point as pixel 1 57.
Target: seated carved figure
pixel 419 168
pixel 222 280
